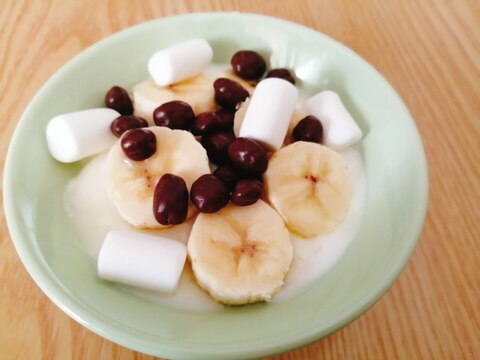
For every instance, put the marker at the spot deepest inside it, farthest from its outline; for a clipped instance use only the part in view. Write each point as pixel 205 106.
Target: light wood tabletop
pixel 428 50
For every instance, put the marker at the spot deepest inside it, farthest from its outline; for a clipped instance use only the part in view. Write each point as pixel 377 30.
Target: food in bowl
pixel 254 192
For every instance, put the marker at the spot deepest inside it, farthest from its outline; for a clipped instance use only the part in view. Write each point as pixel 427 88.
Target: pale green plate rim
pixel 46 280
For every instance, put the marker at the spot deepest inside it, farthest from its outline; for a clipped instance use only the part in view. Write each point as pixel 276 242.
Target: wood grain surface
pixel 428 50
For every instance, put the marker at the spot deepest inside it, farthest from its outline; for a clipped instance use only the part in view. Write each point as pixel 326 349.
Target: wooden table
pixel 428 50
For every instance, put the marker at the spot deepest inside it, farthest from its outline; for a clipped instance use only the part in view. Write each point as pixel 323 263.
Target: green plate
pixel 48 244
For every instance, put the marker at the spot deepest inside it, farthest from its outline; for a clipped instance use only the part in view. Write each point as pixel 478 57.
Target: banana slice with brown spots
pixel 240 255
pixel 131 183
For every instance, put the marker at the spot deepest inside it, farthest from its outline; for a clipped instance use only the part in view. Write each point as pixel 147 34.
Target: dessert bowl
pixel 48 245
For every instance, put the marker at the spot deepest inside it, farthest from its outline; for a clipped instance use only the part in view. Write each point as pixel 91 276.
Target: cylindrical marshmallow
pixel 180 62
pixel 269 112
pixel 141 260
pixel 339 128
pixel 74 136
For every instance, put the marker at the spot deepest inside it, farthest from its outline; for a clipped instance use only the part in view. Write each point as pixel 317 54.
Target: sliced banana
pixel 240 255
pixel 131 184
pixel 310 186
pixel 197 92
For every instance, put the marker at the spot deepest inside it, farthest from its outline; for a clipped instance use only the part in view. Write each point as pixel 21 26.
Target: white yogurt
pixel 312 257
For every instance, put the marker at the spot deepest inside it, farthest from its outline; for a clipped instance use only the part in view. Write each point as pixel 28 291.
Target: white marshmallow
pixel 180 62
pixel 269 112
pixel 339 128
pixel 74 136
pixel 141 260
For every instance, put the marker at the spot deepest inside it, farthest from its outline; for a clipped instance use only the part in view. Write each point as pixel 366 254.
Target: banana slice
pixel 240 255
pixel 197 92
pixel 131 184
pixel 310 186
